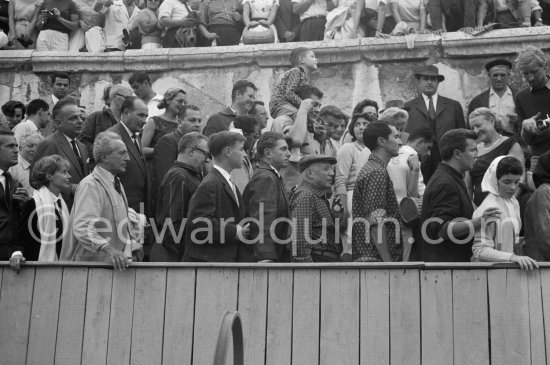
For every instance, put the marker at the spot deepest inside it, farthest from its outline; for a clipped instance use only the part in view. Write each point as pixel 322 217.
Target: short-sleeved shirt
pixel 260 9
pixel 218 12
pixel 318 8
pixel 172 9
pixel 66 8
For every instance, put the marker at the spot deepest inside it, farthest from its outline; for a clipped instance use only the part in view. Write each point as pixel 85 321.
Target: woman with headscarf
pixel 497 239
pixel 537 213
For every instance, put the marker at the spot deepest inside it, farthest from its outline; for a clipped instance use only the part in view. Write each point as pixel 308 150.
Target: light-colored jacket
pixel 99 217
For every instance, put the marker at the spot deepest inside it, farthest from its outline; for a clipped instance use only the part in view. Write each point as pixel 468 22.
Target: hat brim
pixel 500 62
pixel 439 77
pixel 325 159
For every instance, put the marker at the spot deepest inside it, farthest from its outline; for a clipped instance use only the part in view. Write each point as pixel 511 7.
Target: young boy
pixel 284 99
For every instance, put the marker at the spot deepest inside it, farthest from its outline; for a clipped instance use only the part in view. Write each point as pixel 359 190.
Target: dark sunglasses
pixel 205 153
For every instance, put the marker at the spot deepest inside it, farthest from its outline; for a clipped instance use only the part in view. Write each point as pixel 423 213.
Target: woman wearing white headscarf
pixel 495 240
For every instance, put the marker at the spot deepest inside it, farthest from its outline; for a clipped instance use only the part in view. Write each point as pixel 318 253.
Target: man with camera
pixel 532 105
pixel 56 20
pixel 119 15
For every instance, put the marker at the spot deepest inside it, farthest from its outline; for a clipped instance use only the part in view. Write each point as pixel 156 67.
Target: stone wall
pixel 349 71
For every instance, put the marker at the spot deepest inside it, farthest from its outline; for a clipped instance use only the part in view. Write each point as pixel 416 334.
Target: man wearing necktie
pixel 64 142
pixel 214 230
pixel 434 111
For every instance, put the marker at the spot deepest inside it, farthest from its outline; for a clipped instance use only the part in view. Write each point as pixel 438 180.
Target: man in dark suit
pixel 166 149
pixel 68 123
pixel 499 98
pixel 12 198
pixel 266 199
pixel 242 102
pixel 216 209
pixel 431 110
pixel 135 179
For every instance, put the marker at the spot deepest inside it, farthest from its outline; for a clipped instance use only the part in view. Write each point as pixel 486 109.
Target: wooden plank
pixel 179 316
pixel 509 317
pixel 279 312
pixel 437 317
pixel 470 317
pixel 44 315
pixel 339 342
pixel 375 317
pixel 305 317
pixel 120 322
pixel 72 307
pixel 217 291
pixel 545 292
pixel 15 314
pixel 252 307
pixel 148 322
pixel 405 317
pixel 536 318
pixel 98 313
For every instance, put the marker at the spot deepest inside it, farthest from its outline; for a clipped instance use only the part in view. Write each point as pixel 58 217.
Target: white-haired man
pixel 27 148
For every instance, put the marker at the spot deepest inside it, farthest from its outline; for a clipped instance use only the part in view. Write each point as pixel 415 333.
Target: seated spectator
pixel 102 227
pixel 27 148
pixel 141 85
pixel 382 16
pixel 286 22
pixel 45 216
pixel 415 14
pixel 119 18
pixel 511 13
pixel 38 115
pixel 22 31
pixel 173 102
pixel 220 20
pixel 343 21
pixel 175 15
pixel 250 129
pixel 149 26
pixel 57 19
pixel 451 15
pixel 335 122
pixel 14 112
pixel 537 213
pixel 258 18
pixel 498 240
pixel 313 220
pixel 312 18
pixel 175 192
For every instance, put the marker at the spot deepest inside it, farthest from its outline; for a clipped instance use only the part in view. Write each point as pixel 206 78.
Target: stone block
pixel 146 60
pixel 193 58
pixel 11 59
pixel 77 62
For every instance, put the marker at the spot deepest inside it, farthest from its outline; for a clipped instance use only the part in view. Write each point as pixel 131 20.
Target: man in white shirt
pixel 119 16
pixel 312 18
pixel 499 98
pixel 141 84
pixel 27 148
pixel 38 114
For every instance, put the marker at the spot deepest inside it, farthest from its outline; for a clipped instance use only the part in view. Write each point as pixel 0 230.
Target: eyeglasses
pixel 205 153
pixel 122 96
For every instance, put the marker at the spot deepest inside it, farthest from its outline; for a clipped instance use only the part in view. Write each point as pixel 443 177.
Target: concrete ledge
pixel 450 45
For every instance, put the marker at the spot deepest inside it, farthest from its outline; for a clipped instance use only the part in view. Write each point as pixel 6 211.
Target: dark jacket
pixel 10 216
pixel 57 144
pixel 136 178
pixel 94 124
pixel 446 198
pixel 449 116
pixel 219 122
pixel 265 193
pixel 215 203
pixel 458 14
pixel 166 152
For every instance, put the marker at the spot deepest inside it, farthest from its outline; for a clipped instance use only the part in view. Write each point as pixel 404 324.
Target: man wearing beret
pixel 499 98
pixel 431 110
pixel 314 237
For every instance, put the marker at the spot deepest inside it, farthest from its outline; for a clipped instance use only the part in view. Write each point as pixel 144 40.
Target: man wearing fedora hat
pixel 431 110
pixel 499 98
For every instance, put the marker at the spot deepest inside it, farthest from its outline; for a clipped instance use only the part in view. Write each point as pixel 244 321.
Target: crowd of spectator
pixel 117 25
pixel 145 179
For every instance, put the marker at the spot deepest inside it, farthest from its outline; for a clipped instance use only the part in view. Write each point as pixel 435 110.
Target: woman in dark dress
pixel 45 216
pixel 491 145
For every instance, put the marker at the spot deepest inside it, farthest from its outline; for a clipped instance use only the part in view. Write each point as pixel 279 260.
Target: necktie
pixel 136 142
pixel 77 153
pixel 431 108
pixel 234 188
pixel 117 185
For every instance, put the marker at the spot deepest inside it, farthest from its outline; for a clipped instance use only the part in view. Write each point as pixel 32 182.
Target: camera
pixel 543 124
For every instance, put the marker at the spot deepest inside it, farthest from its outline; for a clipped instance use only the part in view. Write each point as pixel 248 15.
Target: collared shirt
pixel 20 172
pixel 227 176
pixel 218 11
pixel 25 127
pixel 502 106
pixel 70 140
pixel 314 224
pixel 427 101
pixel 130 134
pixel 54 99
pixel 400 173
pixel 116 20
pixel 317 8
pixel 374 200
pixel 2 179
pixel 285 89
pixel 172 9
pixel 109 174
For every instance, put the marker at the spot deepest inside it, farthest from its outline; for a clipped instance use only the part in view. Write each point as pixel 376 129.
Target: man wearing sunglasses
pixel 175 192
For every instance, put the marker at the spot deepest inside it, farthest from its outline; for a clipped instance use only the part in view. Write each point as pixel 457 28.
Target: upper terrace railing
pixel 402 313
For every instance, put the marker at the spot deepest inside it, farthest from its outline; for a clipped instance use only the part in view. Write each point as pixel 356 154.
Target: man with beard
pixel 242 102
pixel 266 199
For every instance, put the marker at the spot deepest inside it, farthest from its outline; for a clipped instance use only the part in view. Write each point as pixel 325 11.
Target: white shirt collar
pixel 54 99
pixel 130 134
pixel 426 100
pixel 69 139
pixel 25 165
pixel 493 92
pixel 224 173
pixel 406 149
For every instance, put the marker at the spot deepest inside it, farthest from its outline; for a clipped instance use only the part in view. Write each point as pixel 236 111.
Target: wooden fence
pixel 291 314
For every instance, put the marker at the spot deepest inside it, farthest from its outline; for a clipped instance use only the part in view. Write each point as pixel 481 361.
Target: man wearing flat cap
pixel 431 110
pixel 499 98
pixel 314 237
